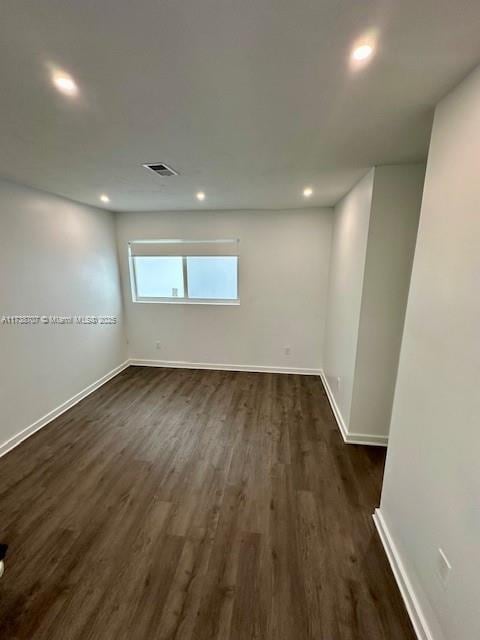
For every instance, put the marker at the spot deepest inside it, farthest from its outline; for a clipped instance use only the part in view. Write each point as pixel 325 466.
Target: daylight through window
pixel 184 271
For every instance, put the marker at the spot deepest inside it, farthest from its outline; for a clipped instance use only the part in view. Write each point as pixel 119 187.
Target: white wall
pixel 375 228
pixel 284 259
pixel 58 258
pixel 392 233
pixel 349 249
pixel 431 495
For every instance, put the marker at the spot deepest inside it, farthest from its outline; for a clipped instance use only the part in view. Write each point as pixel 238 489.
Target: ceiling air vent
pixel 161 169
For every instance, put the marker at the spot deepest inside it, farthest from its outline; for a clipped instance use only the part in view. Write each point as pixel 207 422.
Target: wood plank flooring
pixel 193 505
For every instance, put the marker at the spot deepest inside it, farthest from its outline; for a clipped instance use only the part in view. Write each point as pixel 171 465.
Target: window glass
pixel 159 276
pixel 212 277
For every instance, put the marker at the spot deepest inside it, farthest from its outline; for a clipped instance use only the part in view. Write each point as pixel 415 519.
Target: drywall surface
pixel 283 272
pixel 397 197
pixel 349 248
pixel 57 258
pixel 431 492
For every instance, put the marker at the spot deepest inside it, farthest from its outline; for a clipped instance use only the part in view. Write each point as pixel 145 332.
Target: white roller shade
pixel 184 247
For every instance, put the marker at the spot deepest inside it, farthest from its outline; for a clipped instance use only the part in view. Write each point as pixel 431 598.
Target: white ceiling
pixel 250 100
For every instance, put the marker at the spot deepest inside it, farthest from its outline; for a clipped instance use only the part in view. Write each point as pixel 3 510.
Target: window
pixel 184 271
pixel 159 276
pixel 212 277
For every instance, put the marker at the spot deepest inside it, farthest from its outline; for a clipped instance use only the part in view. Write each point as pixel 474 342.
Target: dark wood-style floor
pixel 175 504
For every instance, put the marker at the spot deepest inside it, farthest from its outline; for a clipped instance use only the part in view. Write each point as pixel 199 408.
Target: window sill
pixel 215 303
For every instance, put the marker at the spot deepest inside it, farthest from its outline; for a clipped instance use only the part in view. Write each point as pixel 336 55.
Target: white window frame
pixel 185 299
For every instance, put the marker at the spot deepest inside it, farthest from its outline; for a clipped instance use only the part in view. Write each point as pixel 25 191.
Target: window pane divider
pixel 185 277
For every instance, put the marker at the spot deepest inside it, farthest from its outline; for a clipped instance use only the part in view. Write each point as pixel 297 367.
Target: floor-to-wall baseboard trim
pixel 350 438
pixel 178 364
pixel 412 604
pixel 15 440
pixel 334 406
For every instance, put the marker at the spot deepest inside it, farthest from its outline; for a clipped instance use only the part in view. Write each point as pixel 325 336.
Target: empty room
pixel 239 320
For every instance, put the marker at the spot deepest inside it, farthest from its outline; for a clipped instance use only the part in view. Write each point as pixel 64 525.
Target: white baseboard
pixel 15 440
pixel 350 438
pixel 178 364
pixel 410 599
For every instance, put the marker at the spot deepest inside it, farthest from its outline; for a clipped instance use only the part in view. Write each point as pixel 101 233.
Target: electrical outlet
pixel 158 344
pixel 444 566
pixel 287 351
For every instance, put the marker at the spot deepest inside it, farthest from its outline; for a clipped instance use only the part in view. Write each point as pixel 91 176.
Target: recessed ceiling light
pixel 307 192
pixel 362 52
pixel 104 198
pixel 65 83
pixel 200 195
